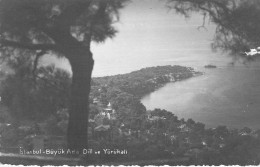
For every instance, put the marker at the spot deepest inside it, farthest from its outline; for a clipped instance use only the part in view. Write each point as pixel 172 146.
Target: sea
pixel 226 96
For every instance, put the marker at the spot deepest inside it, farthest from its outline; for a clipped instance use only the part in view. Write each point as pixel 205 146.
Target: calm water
pixel 223 96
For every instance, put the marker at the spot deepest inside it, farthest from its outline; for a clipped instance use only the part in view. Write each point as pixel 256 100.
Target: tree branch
pixel 30 46
pixel 51 83
pixel 71 13
pixel 203 24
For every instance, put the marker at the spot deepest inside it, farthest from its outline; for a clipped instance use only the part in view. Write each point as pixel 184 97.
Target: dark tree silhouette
pixel 238 26
pixel 64 28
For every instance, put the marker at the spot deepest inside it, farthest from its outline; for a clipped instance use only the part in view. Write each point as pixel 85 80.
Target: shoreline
pixel 147 80
pixel 172 82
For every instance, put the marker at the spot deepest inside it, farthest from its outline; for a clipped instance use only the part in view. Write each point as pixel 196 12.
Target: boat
pixel 253 52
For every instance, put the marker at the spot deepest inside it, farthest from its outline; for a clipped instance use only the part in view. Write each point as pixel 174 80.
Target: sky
pixel 149 35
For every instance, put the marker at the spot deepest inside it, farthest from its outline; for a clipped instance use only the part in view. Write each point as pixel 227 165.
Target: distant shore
pixel 147 80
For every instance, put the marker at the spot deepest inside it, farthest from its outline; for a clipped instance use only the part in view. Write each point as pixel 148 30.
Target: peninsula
pixel 146 80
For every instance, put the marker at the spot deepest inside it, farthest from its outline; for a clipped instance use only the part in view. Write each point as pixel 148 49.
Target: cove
pixel 223 96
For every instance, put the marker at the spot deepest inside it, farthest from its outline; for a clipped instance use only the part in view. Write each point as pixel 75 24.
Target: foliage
pixel 35 97
pixel 31 21
pixel 237 22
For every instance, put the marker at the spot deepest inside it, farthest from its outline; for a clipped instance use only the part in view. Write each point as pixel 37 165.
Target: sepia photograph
pixel 130 82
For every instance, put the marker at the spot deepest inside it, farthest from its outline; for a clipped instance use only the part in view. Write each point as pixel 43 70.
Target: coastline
pixel 147 80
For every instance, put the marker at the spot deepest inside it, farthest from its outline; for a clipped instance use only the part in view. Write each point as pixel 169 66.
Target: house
pixel 128 133
pixel 244 134
pixel 109 108
pixel 109 112
pixel 102 132
pixel 173 138
pixel 221 145
pixel 155 118
pixel 101 128
pixel 91 121
pixel 184 128
pixel 96 101
pixel 91 126
pixel 187 140
pixel 204 143
pixel 253 52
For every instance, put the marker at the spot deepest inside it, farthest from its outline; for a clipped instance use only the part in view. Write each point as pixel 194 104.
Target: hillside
pixel 146 80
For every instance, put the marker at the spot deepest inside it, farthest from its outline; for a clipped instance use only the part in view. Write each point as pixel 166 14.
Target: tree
pixel 221 131
pixel 35 98
pixel 238 27
pixel 64 28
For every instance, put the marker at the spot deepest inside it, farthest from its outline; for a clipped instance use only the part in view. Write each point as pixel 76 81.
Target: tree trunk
pixel 82 65
pixel 81 61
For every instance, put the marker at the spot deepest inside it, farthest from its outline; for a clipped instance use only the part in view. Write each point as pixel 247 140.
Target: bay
pixel 223 96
